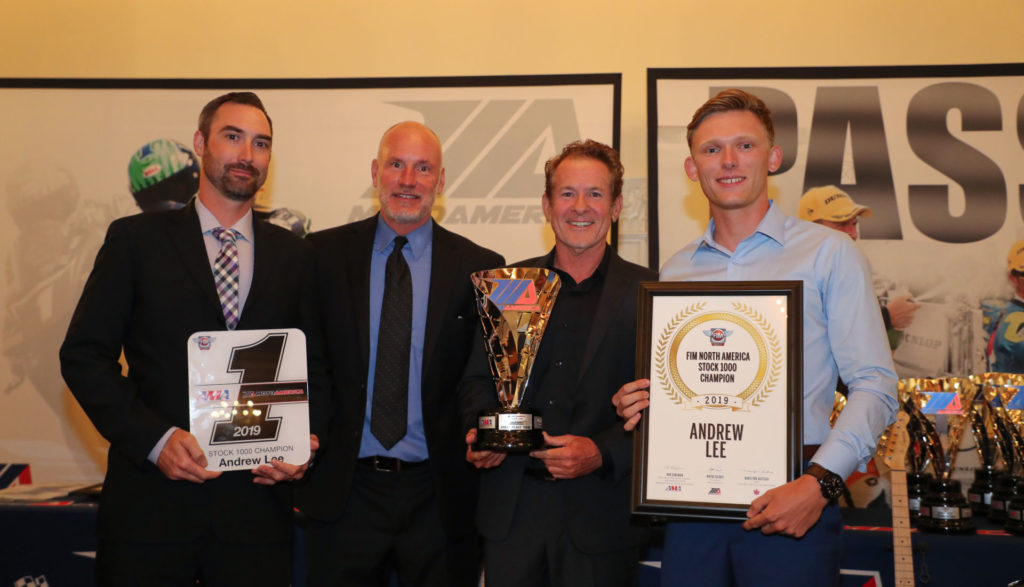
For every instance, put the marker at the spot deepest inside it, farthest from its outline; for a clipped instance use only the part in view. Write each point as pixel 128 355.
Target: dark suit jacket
pixel 343 273
pixel 599 520
pixel 151 287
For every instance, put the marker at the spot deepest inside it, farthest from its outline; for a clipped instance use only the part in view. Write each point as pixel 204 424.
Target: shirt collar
pixel 600 271
pixel 772 225
pixel 419 239
pixel 207 221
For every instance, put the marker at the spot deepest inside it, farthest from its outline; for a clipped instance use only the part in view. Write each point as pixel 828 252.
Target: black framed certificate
pixel 725 363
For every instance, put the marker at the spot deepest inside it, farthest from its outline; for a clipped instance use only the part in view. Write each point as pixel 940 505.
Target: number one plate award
pixel 248 397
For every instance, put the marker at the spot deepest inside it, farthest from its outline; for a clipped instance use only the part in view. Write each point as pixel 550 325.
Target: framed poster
pixel 934 151
pixel 59 195
pixel 724 424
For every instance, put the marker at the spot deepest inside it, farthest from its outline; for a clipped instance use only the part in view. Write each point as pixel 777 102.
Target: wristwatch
pixel 832 485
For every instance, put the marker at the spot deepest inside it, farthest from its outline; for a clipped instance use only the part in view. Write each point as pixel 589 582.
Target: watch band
pixel 831 484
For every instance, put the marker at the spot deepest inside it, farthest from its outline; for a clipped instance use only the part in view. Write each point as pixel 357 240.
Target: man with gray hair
pixel 560 516
pixel 390 492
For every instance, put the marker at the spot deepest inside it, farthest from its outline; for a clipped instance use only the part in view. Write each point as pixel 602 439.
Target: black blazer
pixel 150 288
pixel 599 520
pixel 343 274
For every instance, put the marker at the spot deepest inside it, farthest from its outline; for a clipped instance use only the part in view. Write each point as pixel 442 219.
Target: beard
pixel 234 188
pixel 400 215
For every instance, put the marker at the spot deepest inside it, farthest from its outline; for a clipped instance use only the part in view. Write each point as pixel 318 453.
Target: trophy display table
pixel 55 541
pixel 991 557
pixel 58 541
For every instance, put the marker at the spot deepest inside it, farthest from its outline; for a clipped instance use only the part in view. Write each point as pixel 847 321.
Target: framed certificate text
pixel 724 423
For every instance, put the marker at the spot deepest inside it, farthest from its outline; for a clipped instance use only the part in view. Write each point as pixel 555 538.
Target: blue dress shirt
pixel 843 330
pixel 417 252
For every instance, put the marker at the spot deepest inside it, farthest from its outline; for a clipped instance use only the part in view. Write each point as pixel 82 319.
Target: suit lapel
pixel 612 294
pixel 444 267
pixel 262 263
pixel 186 237
pixel 362 253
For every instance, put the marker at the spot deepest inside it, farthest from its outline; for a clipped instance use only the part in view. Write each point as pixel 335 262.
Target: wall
pixel 338 38
pixel 334 38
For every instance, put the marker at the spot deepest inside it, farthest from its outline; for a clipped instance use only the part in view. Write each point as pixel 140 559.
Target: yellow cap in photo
pixel 829 203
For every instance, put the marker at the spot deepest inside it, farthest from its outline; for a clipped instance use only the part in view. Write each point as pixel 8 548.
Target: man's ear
pixel 691 169
pixel 198 143
pixel 617 208
pixel 774 158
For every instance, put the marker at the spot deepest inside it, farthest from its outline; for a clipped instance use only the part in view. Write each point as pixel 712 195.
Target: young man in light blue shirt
pixel 748 239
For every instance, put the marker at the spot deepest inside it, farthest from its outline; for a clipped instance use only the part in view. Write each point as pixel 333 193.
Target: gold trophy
pixel 993 485
pixel 937 403
pixel 1011 408
pixel 918 461
pixel 514 304
pixel 838 403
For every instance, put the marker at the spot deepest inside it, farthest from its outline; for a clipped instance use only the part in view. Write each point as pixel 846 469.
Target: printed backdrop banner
pixel 936 152
pixel 64 176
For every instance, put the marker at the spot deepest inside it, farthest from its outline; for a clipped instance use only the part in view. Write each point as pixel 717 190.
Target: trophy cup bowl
pixel 944 509
pixel 514 304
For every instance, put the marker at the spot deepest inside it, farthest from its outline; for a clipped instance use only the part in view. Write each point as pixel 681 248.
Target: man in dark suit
pixel 165 519
pixel 560 516
pixel 390 491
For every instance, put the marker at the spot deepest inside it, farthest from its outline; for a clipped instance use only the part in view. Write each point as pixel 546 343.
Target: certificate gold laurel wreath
pixel 764 336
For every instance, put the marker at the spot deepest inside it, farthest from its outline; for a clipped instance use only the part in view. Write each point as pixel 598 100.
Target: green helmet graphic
pixel 163 174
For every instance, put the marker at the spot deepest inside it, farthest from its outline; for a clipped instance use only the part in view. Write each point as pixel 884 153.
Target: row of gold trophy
pixel 991 407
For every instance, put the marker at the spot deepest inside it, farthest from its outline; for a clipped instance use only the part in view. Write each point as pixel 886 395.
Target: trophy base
pixel 509 430
pixel 979 494
pixel 944 510
pixel 1006 490
pixel 916 485
pixel 1015 513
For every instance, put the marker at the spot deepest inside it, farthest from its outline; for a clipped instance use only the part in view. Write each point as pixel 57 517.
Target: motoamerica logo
pixel 494 154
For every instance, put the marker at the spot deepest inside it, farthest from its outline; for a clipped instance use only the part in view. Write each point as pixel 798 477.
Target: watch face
pixel 831 486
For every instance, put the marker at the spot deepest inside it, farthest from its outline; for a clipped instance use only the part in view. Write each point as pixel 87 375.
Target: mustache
pixel 242 167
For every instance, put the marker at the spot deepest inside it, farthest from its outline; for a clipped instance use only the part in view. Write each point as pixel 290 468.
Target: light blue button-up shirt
pixel 843 330
pixel 417 252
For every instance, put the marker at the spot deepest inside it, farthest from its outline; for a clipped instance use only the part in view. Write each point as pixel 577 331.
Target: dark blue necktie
pixel 390 410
